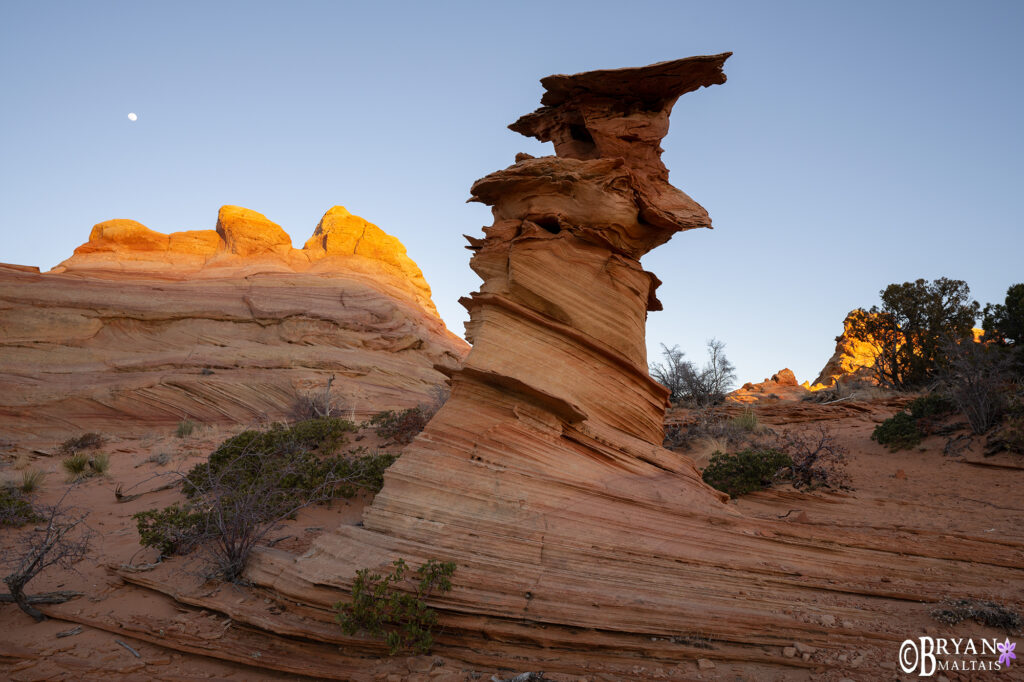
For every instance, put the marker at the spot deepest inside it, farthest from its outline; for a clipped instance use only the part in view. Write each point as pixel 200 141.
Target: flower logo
pixel 1006 652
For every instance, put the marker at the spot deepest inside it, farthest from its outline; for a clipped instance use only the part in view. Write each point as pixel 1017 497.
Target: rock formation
pixel 582 545
pixel 139 330
pixel 780 386
pixel 577 537
pixel 853 359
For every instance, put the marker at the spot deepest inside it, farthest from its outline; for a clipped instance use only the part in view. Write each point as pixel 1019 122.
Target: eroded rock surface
pixel 581 543
pixel 140 330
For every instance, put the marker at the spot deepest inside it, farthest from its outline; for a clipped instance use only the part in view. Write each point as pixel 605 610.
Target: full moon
pixel 133 117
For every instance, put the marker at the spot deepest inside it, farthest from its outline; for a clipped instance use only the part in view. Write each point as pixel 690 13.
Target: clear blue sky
pixel 855 144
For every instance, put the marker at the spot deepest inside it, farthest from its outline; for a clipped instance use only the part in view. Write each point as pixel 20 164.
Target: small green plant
pixel 185 428
pixel 31 481
pixel 401 426
pixel 99 464
pixel 87 441
pixel 930 406
pixel 746 420
pixel 402 617
pixel 169 530
pixel 76 465
pixel 745 471
pixel 159 458
pixel 899 432
pixel 15 510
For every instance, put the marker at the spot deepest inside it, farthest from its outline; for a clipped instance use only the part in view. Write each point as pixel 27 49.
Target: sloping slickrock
pixel 140 330
pixel 543 477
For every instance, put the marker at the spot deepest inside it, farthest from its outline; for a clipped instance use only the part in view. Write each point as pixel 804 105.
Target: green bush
pixel 169 530
pixel 76 465
pixel 746 471
pixel 1004 322
pixel 899 432
pixel 15 510
pixel 746 421
pixel 380 609
pixel 255 480
pixel 185 428
pixel 31 480
pixel 99 463
pixel 930 406
pixel 401 426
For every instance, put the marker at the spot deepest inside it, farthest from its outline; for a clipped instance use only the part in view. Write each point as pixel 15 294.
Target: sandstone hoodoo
pixel 140 329
pixel 577 536
pixel 582 547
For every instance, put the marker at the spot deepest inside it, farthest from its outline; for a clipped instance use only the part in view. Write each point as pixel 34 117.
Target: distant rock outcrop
pixel 853 358
pixel 246 242
pixel 781 386
pixel 139 330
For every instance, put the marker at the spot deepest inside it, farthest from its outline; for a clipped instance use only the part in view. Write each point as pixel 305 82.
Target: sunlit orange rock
pixel 120 235
pixel 853 358
pixel 248 233
pixel 140 330
pixel 780 386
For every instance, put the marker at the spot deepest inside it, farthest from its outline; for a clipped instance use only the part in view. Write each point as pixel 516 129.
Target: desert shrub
pixel 818 458
pixel 186 428
pixel 401 426
pixel 31 480
pixel 911 328
pixel 254 481
pixel 979 379
pixel 930 406
pixel 315 404
pixel 1004 322
pixel 99 463
pixel 15 509
pixel 171 529
pixel 899 432
pixel 746 421
pixel 687 384
pixel 983 612
pixel 745 471
pixel 159 458
pixel 87 441
pixel 80 465
pixel 63 541
pixel 323 434
pixel 710 424
pixel 76 464
pixel 1009 436
pixel 401 616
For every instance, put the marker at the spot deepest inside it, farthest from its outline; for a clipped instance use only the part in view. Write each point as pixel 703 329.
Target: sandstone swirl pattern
pixel 578 538
pixel 139 330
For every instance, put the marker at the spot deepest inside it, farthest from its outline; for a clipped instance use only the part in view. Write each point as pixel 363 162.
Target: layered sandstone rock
pixel 140 330
pixel 577 536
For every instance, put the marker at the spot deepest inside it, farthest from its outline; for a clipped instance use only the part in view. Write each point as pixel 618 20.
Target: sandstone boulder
pixel 248 233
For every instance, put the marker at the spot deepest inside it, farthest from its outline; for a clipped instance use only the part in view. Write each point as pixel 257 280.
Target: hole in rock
pixel 549 223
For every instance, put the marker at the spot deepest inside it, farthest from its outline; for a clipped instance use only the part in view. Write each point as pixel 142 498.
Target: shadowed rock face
pixel 577 536
pixel 139 330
